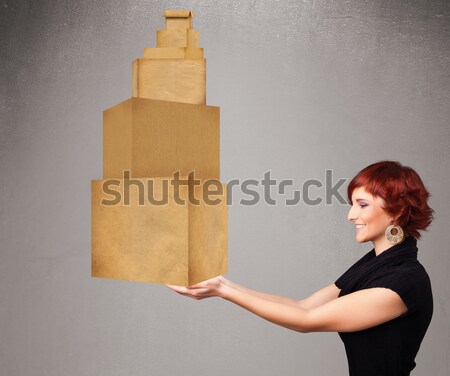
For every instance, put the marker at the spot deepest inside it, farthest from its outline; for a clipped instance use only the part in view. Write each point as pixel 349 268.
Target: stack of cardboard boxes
pixel 160 212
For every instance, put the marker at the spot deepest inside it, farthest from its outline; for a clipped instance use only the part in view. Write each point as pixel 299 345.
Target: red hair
pixel 402 190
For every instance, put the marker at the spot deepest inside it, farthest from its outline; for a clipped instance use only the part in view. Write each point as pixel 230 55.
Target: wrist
pixel 223 289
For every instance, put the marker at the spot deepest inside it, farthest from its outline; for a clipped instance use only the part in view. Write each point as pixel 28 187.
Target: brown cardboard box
pixel 178 80
pixel 173 53
pixel 178 19
pixel 177 38
pixel 175 243
pixel 157 138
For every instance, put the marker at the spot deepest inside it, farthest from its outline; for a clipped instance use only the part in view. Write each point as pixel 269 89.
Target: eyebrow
pixel 359 199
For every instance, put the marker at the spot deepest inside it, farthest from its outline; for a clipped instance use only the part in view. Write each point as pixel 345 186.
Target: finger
pixel 177 288
pixel 199 285
pixel 178 291
pixel 184 291
pixel 189 295
pixel 188 289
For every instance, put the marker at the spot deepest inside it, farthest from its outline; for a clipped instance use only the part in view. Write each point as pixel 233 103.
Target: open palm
pixel 206 289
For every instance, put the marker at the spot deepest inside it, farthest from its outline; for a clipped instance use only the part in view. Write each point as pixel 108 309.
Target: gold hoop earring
pixel 394 239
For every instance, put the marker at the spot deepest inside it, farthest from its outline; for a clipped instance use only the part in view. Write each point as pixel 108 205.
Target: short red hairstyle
pixel 402 190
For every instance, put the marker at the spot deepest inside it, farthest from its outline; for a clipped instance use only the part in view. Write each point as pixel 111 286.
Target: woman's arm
pixel 356 311
pixel 320 297
pixel 353 312
pixel 263 295
pixel 288 315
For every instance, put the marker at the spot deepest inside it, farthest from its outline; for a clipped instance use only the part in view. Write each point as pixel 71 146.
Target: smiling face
pixel 371 220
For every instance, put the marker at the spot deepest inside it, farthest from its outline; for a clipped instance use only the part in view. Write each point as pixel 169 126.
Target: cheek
pixel 371 217
pixel 377 219
pixel 367 215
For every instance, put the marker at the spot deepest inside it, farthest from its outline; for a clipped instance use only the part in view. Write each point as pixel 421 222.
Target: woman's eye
pixel 363 206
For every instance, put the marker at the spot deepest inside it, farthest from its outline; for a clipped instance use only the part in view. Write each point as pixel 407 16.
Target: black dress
pixel 389 349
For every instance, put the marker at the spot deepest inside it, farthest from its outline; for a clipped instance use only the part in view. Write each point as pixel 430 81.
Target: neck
pixel 380 245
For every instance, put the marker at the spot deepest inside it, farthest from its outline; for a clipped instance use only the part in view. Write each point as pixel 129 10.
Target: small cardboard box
pixel 173 53
pixel 177 38
pixel 178 19
pixel 175 79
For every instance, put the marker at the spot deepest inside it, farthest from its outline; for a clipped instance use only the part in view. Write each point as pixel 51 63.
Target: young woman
pixel 382 305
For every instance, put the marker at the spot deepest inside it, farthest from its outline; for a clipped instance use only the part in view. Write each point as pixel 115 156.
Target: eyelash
pixel 362 206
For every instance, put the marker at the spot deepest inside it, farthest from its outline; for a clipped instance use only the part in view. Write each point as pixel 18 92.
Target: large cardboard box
pixel 157 138
pixel 164 241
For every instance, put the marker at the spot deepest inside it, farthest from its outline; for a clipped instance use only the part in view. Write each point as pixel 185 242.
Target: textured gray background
pixel 303 87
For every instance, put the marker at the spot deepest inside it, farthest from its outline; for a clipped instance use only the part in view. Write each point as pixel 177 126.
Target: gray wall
pixel 303 87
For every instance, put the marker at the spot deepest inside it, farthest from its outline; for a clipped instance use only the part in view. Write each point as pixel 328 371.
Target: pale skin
pixel 323 311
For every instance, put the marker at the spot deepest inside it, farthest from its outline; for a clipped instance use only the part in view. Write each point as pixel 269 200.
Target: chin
pixel 361 240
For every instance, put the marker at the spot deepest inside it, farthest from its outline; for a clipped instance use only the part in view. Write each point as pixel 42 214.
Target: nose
pixel 352 215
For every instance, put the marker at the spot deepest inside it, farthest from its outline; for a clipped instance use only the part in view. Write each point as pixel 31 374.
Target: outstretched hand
pixel 206 289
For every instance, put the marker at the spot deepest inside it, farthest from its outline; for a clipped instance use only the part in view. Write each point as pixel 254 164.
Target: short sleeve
pixel 339 282
pixel 405 283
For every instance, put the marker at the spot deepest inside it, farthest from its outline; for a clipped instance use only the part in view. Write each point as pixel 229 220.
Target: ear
pixel 395 218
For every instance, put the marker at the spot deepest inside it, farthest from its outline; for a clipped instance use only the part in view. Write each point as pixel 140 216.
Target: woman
pixel 382 305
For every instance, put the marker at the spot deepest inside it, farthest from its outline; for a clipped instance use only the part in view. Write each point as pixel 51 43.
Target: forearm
pixel 263 295
pixel 286 315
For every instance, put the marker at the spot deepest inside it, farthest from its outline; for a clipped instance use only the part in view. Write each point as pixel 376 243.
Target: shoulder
pixel 411 272
pixel 410 281
pixel 359 310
